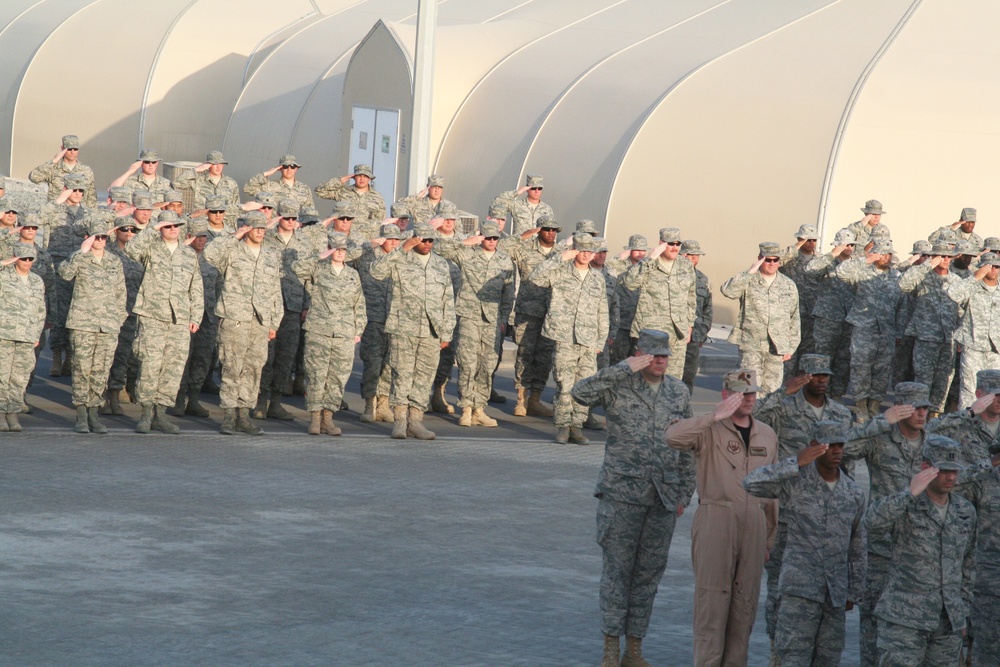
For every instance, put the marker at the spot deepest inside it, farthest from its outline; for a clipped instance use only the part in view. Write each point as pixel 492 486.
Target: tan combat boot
pixel 861 414
pixel 415 426
pixel 399 429
pixel 275 410
pixel 95 422
pixel 228 426
pixel 55 370
pixel 520 409
pixel 535 405
pixel 177 410
pixel 260 410
pixel 314 422
pixel 576 435
pixel 368 416
pixel 593 422
pixel 562 437
pixel 633 653
pixel 243 423
pixel 114 406
pixel 480 418
pixel 439 403
pixel 612 652
pixel 161 423
pixel 13 425
pixel 383 413
pixel 466 418
pixel 326 424
pixel 145 420
pixel 194 408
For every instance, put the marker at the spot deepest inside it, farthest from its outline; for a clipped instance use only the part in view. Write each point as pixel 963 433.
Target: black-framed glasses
pixel 72 149
pixel 491 238
pixel 549 229
pixel 130 230
pixel 77 189
pixel 293 218
pixel 772 260
pixel 26 259
pixel 346 217
pixel 101 237
pixel 34 227
pixel 535 189
pixel 151 162
pixel 216 212
pixel 169 226
pixel 673 243
pixel 289 166
pixel 427 240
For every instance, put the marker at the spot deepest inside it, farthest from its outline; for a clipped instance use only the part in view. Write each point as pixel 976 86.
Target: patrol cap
pixel 602 244
pixel 534 181
pixel 873 207
pixel 968 215
pixel 742 380
pixel 548 223
pixel 399 210
pixel 267 199
pixel 168 218
pixel 964 247
pixel 171 196
pixel 71 141
pixel 587 226
pixel 215 203
pixel 844 237
pixel 988 381
pixel 363 170
pixel 769 249
pixel 584 242
pixel 198 228
pixel 288 161
pixel 947 235
pixel 343 209
pixel 942 249
pixel 215 157
pixel 488 228
pixel 435 181
pixel 448 211
pixel 75 182
pixel 922 247
pixel 425 232
pixel 308 216
pixel 101 224
pixel 7 204
pixel 815 364
pixel 120 194
pixel 990 258
pixel 142 201
pixel 654 341
pixel 29 220
pixel 336 240
pixel 288 208
pixel 882 248
pixel 829 432
pixel 943 453
pixel 149 155
pixel 691 248
pixel 390 230
pixel 807 232
pixel 916 394
pixel 24 251
pixel 637 242
pixel 992 243
pixel 880 232
pixel 670 235
pixel 497 211
pixel 255 220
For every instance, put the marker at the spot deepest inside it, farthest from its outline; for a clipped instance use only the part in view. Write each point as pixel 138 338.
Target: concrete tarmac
pixel 476 549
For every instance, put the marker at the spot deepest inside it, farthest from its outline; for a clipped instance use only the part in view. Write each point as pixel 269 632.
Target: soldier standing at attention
pixel 64 162
pixel 367 202
pixel 527 212
pixel 141 176
pixel 642 488
pixel 975 428
pixel 125 366
pixel 22 311
pixel 831 331
pixel 703 314
pixel 922 611
pixel 862 229
pixel 333 327
pixel 979 330
pixel 207 180
pixel 823 570
pixel 794 260
pixel 428 203
pixel 578 323
pixel 732 530
pixel 95 317
pixel 628 299
pixel 249 309
pixel 767 331
pixel 286 187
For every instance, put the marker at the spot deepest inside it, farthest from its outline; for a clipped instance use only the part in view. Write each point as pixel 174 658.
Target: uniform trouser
pixel 93 352
pixel 573 363
pixel 871 363
pixel 728 547
pixel 535 353
pixel 986 623
pixel 974 361
pixel 62 295
pixel 242 353
pixel 806 343
pixel 635 540
pixel 902 360
pixel 199 364
pixel 809 633
pixel 877 576
pixel 901 646
pixel 447 360
pixel 17 360
pixel 833 339
pixel 692 354
pixel 773 569
pixel 125 362
pixel 328 362
pixel 162 350
pixel 276 375
pixel 413 360
pixel 477 356
pixel 623 347
pixel 770 368
pixel 934 365
pixel 376 378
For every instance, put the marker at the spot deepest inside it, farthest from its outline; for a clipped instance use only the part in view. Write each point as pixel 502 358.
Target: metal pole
pixel 423 84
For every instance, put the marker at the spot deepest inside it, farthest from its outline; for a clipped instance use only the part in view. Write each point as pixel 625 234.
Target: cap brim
pixel 950 465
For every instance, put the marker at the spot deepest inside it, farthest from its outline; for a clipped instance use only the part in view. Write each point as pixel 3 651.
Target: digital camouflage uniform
pixel 628 299
pixel 447 359
pixel 521 214
pixel 200 361
pixel 639 488
pixel 22 317
pixel 984 493
pixel 831 330
pixel 64 228
pixel 978 332
pixel 611 283
pixel 125 364
pixel 535 353
pixel 422 209
pixel 204 188
pixel 369 206
pixel 702 325
pixel 298 191
pixel 376 377
pixel 156 188
pixel 793 265
pixel 53 175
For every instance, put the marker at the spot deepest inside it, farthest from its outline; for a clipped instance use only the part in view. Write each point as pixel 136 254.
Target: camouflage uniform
pixel 535 353
pixel 368 206
pixel 422 209
pixel 628 300
pixel 604 358
pixel 702 325
pixel 978 333
pixel 902 363
pixel 53 175
pixel 125 364
pixel 336 317
pixel 447 359
pixel 376 378
pixel 156 188
pixel 639 488
pixel 522 215
pixel 298 191
pixel 970 432
pixel 577 321
pixel 484 302
pixel 932 324
pixel 64 228
pixel 823 562
pixel 793 265
pixel 22 314
pixel 202 358
pixel 204 187
pixel 95 317
pixel 984 493
pixel 831 330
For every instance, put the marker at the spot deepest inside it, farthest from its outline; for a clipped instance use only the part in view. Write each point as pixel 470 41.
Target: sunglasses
pixel 538 189
pixel 217 212
pixel 33 227
pixel 344 218
pixel 491 238
pixel 673 243
pixel 101 237
pixel 26 259
pixel 130 230
pixel 289 166
pixel 77 189
pixel 72 149
pixel 427 240
pixel 549 229
pixel 269 208
pixel 771 260
pixel 151 162
pixel 169 226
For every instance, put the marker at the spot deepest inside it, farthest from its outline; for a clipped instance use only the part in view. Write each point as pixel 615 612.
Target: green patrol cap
pixel 399 210
pixel 289 161
pixel 815 364
pixel 498 211
pixel 653 341
pixel 363 170
pixel 587 227
pixel 534 181
pixel 873 207
pixel 267 199
pixel 968 215
pixel 255 220
pixel 807 232
pixel 29 220
pixel 584 242
pixel 101 224
pixel 916 394
pixel 489 228
pixel 769 249
pixel 288 208
pixel 742 380
pixel 149 155
pixel 435 181
pixel 425 232
pixel 637 242
pixel 75 182
pixel 691 248
pixel 448 211
pixel 168 218
pixel 943 453
pixel 343 209
pixel 120 194
pixel 215 157
pixel 546 222
pixel 171 196
pixel 142 201
pixel 988 381
pixel 198 228
pixel 71 141
pixel 336 240
pixel 828 432
pixel 390 230
pixel 670 235
pixel 24 251
pixel 215 203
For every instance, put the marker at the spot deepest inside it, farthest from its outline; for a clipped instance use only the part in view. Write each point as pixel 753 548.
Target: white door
pixel 374 141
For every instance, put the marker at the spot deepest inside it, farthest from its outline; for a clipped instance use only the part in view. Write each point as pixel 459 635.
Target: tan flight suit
pixel 731 534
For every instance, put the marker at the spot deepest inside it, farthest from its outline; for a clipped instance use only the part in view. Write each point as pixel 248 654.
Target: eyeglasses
pixel 101 237
pixel 26 259
pixel 72 149
pixel 269 208
pixel 31 227
pixel 491 238
pixel 293 218
pixel 673 243
pixel 427 240
pixel 289 166
pixel 771 260
pixel 77 189
pixel 216 212
pixel 130 230
pixel 150 161
pixel 549 229
pixel 344 218
pixel 534 189
pixel 169 226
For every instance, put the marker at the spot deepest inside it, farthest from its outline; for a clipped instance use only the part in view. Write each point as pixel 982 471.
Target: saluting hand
pixel 981 272
pixel 920 481
pixel 810 453
pixel 568 255
pixel 639 361
pixel 898 413
pixel 796 382
pixel 87 244
pixel 982 403
pixel 756 265
pixel 726 407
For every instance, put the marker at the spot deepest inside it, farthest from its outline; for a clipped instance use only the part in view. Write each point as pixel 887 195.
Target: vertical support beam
pixel 423 86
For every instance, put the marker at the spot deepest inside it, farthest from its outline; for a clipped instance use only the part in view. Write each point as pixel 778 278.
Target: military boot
pixel 466 418
pixel 326 424
pixel 105 408
pixel 26 408
pixel 161 423
pixel 67 365
pixel 438 402
pixel 177 409
pixel 299 386
pixel 368 416
pixel 576 435
pixel 535 405
pixel 243 423
pixel 55 370
pixel 415 425
pixel 633 653
pixel 399 422
pixel 260 411
pixel 861 414
pixel 520 409
pixel 4 426
pixel 593 422
pixel 562 436
pixel 94 422
pixel 383 413
pixel 13 425
pixel 496 398
pixel 228 426
pixel 81 420
pixel 874 407
pixel 277 411
pixel 209 386
pixel 194 408
pixel 145 420
pixel 480 418
pixel 612 652
pixel 314 422
pixel 114 404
